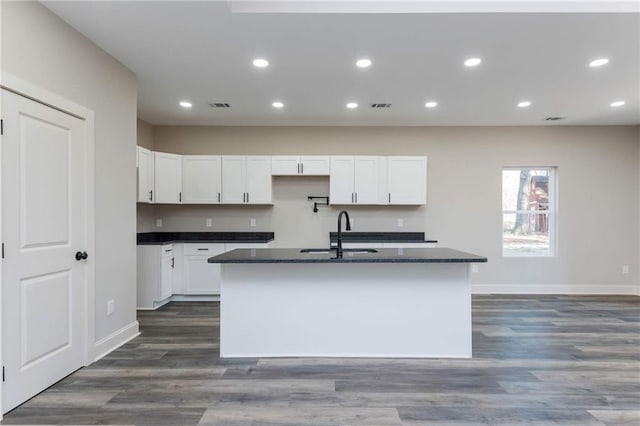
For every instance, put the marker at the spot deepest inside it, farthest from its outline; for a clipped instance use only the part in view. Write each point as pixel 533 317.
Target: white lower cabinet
pixel 155 275
pixel 199 276
pixel 180 269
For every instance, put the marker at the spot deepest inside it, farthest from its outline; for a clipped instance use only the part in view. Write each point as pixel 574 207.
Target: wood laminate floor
pixel 537 360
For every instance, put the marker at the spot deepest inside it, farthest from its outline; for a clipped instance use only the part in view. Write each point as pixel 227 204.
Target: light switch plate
pixel 400 222
pixel 474 268
pixel 253 223
pixel 625 269
pixel 159 223
pixel 209 222
pixel 111 307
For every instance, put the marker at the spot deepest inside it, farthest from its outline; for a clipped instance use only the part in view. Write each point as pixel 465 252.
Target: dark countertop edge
pixel 380 240
pixel 159 243
pixel 350 260
pixel 160 238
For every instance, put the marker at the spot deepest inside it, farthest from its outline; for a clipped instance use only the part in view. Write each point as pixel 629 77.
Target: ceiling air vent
pixel 380 106
pixel 554 118
pixel 219 105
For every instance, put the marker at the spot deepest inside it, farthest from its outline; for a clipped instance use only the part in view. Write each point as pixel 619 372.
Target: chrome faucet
pixel 348 228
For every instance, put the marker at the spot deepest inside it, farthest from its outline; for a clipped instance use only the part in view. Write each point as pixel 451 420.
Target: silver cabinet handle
pixel 389 197
pixel 218 197
pixel 356 197
pixel 247 197
pixel 298 168
pixel 352 197
pixel 244 197
pixel 302 168
pixel 151 195
pixel 203 249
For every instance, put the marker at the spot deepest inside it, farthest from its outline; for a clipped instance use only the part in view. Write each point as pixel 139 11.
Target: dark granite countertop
pixel 382 255
pixel 380 237
pixel 155 238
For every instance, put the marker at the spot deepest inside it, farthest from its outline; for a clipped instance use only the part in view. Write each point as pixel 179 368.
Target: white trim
pixel 194 298
pixel 563 288
pixel 116 339
pixel 42 95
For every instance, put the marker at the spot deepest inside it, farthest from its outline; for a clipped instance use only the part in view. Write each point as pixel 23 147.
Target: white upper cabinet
pixel 246 180
pixel 355 180
pixel 201 179
pixel 259 186
pixel 406 180
pixel 285 165
pixel 144 162
pixel 305 165
pixel 168 178
pixel 341 180
pixel 366 180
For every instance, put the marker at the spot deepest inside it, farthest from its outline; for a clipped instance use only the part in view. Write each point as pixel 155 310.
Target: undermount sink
pixel 352 250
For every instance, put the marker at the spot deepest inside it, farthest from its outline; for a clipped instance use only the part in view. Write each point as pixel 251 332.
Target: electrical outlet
pixel 253 222
pixel 111 307
pixel 209 222
pixel 474 268
pixel 400 222
pixel 625 269
pixel 159 223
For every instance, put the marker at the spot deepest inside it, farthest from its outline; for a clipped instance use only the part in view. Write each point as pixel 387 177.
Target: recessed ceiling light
pixel 617 104
pixel 352 105
pixel 431 104
pixel 598 62
pixel 277 104
pixel 185 104
pixel 524 104
pixel 363 63
pixel 472 62
pixel 260 63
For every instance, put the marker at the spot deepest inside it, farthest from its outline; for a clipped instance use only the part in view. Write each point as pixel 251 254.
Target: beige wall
pixel 145 134
pixel 598 216
pixel 40 48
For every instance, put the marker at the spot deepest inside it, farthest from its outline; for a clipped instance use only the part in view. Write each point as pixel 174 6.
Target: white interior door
pixel 44 224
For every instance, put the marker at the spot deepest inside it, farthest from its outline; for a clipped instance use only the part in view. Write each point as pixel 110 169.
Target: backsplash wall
pixel 291 217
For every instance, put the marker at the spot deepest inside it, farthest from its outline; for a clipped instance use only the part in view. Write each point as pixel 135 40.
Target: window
pixel 528 211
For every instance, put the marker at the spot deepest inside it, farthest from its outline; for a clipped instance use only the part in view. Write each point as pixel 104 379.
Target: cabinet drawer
pixel 210 248
pixel 166 251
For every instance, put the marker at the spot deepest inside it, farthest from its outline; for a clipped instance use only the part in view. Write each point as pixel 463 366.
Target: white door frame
pixel 44 96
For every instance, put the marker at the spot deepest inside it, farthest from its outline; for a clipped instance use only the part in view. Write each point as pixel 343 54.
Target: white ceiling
pixel 202 52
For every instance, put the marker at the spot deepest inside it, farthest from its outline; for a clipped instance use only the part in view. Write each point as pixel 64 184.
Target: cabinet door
pixel 166 277
pixel 145 177
pixel 314 165
pixel 367 180
pixel 258 179
pixel 285 165
pixel 201 179
pixel 234 179
pixel 168 178
pixel 201 277
pixel 407 180
pixel 341 180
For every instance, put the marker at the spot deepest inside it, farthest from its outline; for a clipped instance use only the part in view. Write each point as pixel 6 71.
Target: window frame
pixel 551 212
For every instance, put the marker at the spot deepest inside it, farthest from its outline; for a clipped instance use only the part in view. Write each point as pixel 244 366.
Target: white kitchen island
pixel 397 303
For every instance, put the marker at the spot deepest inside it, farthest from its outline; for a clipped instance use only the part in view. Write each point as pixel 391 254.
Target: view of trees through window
pixel 527 211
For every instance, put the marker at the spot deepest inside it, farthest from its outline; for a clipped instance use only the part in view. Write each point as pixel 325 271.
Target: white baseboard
pixel 554 289
pixel 115 340
pixel 194 298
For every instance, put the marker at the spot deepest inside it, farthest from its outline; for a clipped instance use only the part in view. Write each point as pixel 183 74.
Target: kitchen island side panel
pixel 346 310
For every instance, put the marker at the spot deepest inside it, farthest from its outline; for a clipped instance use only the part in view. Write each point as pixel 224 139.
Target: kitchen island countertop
pixel 382 255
